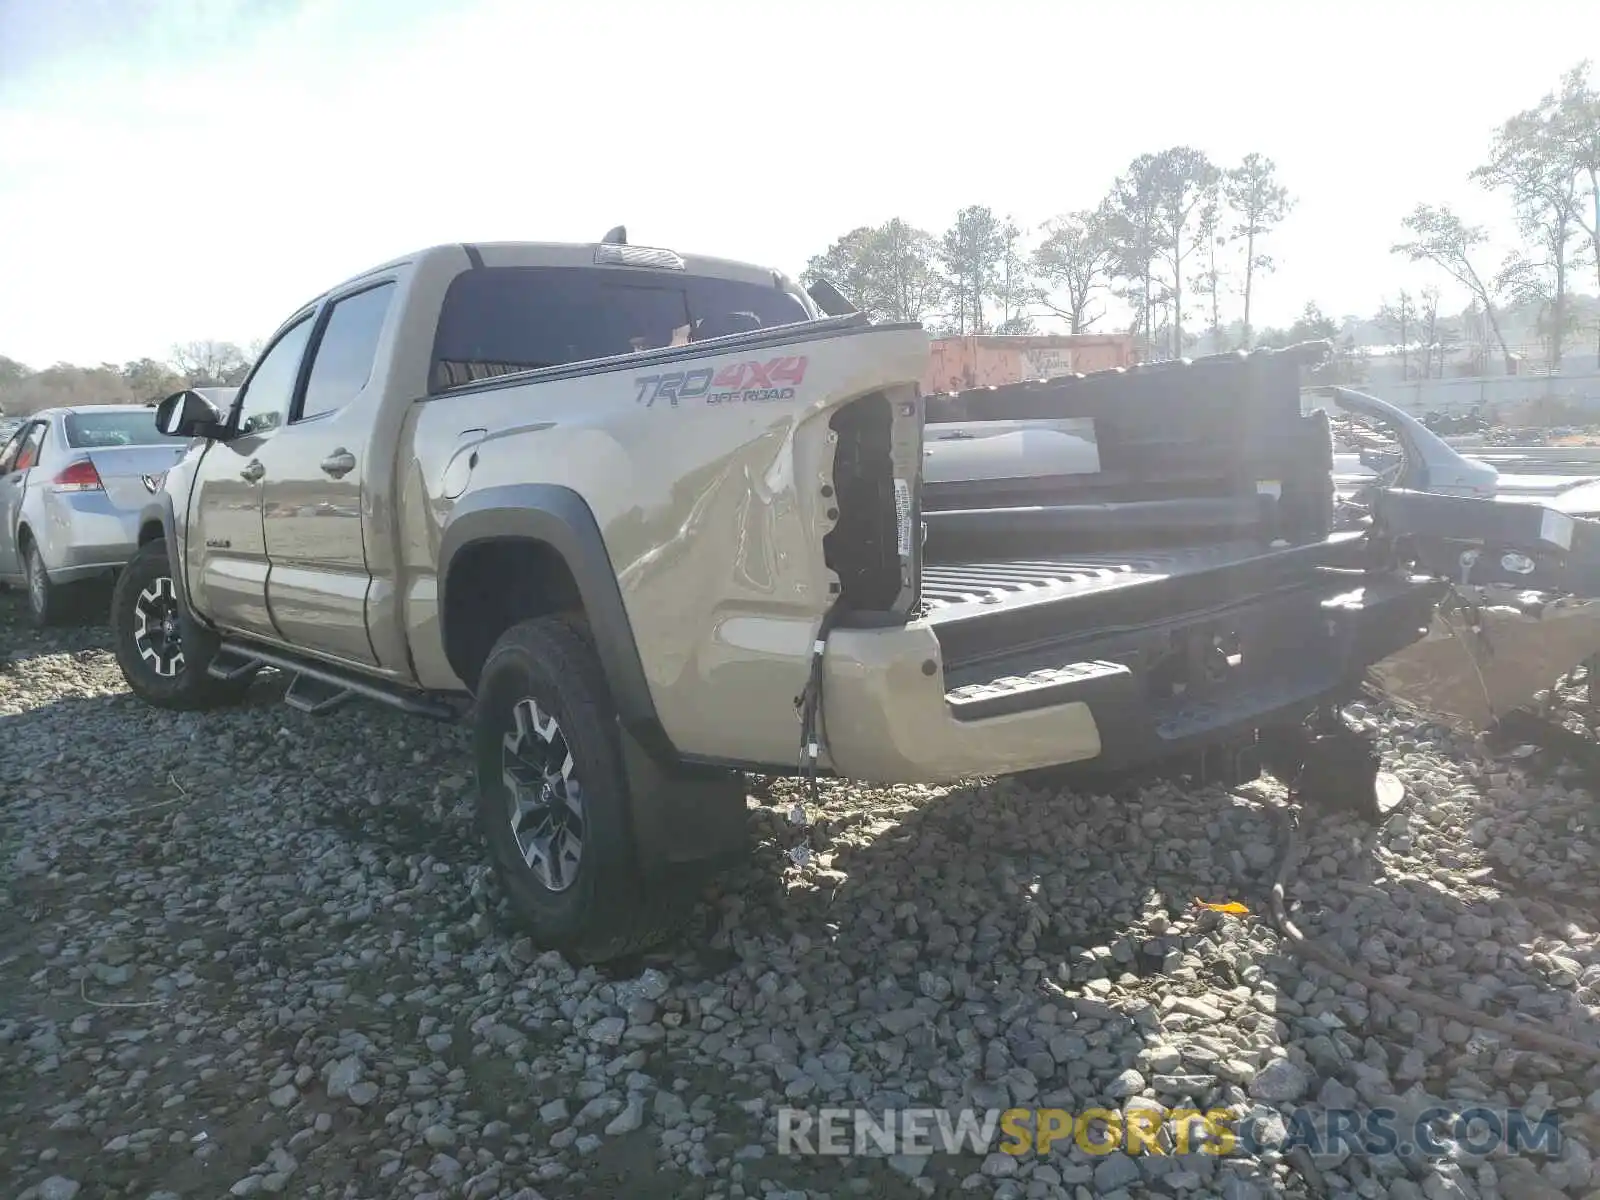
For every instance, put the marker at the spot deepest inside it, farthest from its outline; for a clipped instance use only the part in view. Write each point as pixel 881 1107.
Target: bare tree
pixel 1016 289
pixel 902 262
pixel 1259 204
pixel 972 250
pixel 12 371
pixel 209 363
pixel 848 265
pixel 1134 211
pixel 1579 129
pixel 65 383
pixel 1209 282
pixel 151 380
pixel 1184 177
pixel 1531 286
pixel 1530 160
pixel 1399 321
pixel 1434 332
pixel 887 271
pixel 1075 260
pixel 1439 236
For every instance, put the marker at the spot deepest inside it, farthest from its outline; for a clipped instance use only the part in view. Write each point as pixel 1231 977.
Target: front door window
pixel 264 404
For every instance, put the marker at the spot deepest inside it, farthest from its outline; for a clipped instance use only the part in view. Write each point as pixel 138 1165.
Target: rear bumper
pixel 85 534
pixel 895 712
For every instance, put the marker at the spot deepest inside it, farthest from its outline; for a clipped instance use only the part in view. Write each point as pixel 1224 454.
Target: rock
pixel 608 1031
pixel 58 1187
pixel 1127 1083
pixel 1162 1059
pixel 902 1021
pixel 342 1075
pixel 1335 1095
pixel 1279 1082
pixel 910 1165
pixel 1115 1170
pixel 999 1165
pixel 280 1160
pixel 305 904
pixel 629 1119
pixel 1445 1182
pixel 1200 1008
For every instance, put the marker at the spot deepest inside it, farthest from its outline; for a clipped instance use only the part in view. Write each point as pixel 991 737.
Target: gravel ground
pixel 256 953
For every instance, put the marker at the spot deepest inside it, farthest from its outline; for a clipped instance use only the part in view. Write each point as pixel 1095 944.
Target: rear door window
pixel 498 320
pixel 346 350
pixel 9 450
pixel 31 441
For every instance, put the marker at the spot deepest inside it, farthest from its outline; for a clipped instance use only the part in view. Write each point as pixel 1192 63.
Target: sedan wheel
pixel 45 599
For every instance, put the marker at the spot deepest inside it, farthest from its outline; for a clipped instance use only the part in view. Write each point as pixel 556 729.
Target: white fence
pixel 1489 391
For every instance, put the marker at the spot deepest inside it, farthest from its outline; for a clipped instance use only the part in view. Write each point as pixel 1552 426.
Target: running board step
pixel 228 666
pixel 314 696
pixel 318 687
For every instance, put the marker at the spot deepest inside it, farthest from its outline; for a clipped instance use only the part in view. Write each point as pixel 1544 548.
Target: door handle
pixel 253 470
pixel 340 463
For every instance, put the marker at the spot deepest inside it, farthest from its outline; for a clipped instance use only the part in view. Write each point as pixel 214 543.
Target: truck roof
pixel 571 254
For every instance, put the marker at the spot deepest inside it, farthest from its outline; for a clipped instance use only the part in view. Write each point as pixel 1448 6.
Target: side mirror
pixel 188 414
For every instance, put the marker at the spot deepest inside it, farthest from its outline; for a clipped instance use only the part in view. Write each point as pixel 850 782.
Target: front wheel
pixel 553 801
pixel 164 658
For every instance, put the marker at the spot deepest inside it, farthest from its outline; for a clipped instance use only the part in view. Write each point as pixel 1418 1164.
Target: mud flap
pixel 1523 610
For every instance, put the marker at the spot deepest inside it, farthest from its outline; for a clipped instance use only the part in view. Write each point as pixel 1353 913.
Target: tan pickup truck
pixel 656 521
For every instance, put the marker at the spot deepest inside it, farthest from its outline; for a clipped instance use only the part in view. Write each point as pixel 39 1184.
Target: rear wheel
pixel 49 603
pixel 553 799
pixel 164 658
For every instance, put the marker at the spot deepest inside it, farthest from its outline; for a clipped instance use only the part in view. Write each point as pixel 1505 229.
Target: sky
pixel 180 169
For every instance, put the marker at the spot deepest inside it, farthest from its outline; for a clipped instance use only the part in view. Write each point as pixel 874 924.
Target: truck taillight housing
pixel 78 477
pixel 875 545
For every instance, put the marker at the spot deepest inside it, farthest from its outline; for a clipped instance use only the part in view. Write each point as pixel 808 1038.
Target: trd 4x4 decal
pixel 752 381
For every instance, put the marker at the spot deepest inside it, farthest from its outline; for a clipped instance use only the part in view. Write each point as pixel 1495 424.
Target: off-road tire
pixel 190 688
pixel 603 912
pixel 49 603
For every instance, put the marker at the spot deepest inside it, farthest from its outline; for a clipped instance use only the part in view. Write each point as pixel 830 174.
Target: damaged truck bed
pixel 1156 542
pixel 1521 555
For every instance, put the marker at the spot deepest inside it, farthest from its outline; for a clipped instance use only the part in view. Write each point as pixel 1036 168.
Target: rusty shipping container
pixel 987 360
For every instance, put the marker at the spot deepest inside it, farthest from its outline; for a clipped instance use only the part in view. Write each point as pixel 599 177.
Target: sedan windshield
pixel 89 431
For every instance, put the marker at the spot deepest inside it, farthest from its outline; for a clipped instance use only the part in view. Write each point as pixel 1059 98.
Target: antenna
pixel 616 236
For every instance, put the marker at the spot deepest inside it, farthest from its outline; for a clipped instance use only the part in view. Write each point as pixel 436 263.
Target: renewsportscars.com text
pixel 1217 1131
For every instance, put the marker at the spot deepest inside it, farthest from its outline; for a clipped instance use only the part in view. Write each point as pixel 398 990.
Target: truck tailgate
pixel 954 590
pixel 980 610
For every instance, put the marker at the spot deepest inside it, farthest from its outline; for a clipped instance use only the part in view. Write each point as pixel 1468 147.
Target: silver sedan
pixel 72 484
